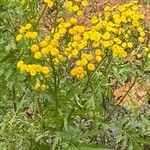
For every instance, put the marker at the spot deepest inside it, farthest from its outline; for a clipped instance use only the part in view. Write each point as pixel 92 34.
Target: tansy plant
pixel 74 52
pixel 70 73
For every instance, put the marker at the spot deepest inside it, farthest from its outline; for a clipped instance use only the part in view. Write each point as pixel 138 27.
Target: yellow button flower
pixel 37 55
pixel 43 43
pixel 20 63
pixel 19 37
pixel 34 48
pixel 84 3
pixel 22 30
pixel 43 87
pixel 33 35
pixel 91 67
pixel 28 26
pixel 45 70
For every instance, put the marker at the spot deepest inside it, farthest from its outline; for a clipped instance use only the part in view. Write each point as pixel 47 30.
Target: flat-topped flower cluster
pixel 79 48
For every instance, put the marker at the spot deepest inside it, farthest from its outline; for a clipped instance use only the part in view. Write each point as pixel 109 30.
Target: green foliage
pixel 86 116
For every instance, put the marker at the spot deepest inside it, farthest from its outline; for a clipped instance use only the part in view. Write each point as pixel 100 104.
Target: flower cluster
pixel 33 69
pixel 24 32
pixel 76 6
pixel 115 32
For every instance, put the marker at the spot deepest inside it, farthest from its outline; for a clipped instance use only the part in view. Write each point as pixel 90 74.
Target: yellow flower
pixel 32 72
pixel 124 45
pixel 84 3
pixel 23 67
pixel 28 35
pixel 20 63
pixel 28 68
pixel 78 72
pixel 22 30
pixel 133 53
pixel 56 61
pixel 70 9
pixel 98 52
pixel 45 51
pixel 74 44
pixel 142 34
pixel 107 8
pixel 79 12
pixel 28 26
pixel 94 20
pixel 73 72
pixel 135 23
pixel 47 38
pixel 75 52
pixel 37 86
pixel 130 45
pixel 95 44
pixel 146 49
pixel 33 35
pixel 126 36
pixel 117 40
pixel 148 55
pixel 139 29
pixel 50 4
pixel 106 43
pixel 54 51
pixel 54 42
pixel 37 55
pixel 123 54
pixel 43 43
pixel 86 35
pixel 117 20
pixel 89 57
pixel 18 37
pixel 75 8
pixel 78 63
pixel 121 8
pixel 43 87
pixel 62 31
pixel 98 58
pixel 76 37
pixel 84 61
pixel 72 31
pixel 68 4
pixel 91 67
pixel 73 20
pixel 45 70
pixel 115 53
pixel 141 39
pixel 38 68
pixel 34 48
pixel 106 35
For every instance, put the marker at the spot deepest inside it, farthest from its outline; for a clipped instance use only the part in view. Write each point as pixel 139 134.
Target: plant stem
pixel 90 76
pixel 42 13
pixel 14 98
pixel 122 99
pixel 55 85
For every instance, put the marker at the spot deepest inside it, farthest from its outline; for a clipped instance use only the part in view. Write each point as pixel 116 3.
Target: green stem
pixel 14 99
pixel 42 13
pixel 122 99
pixel 55 85
pixel 90 76
pixel 39 104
